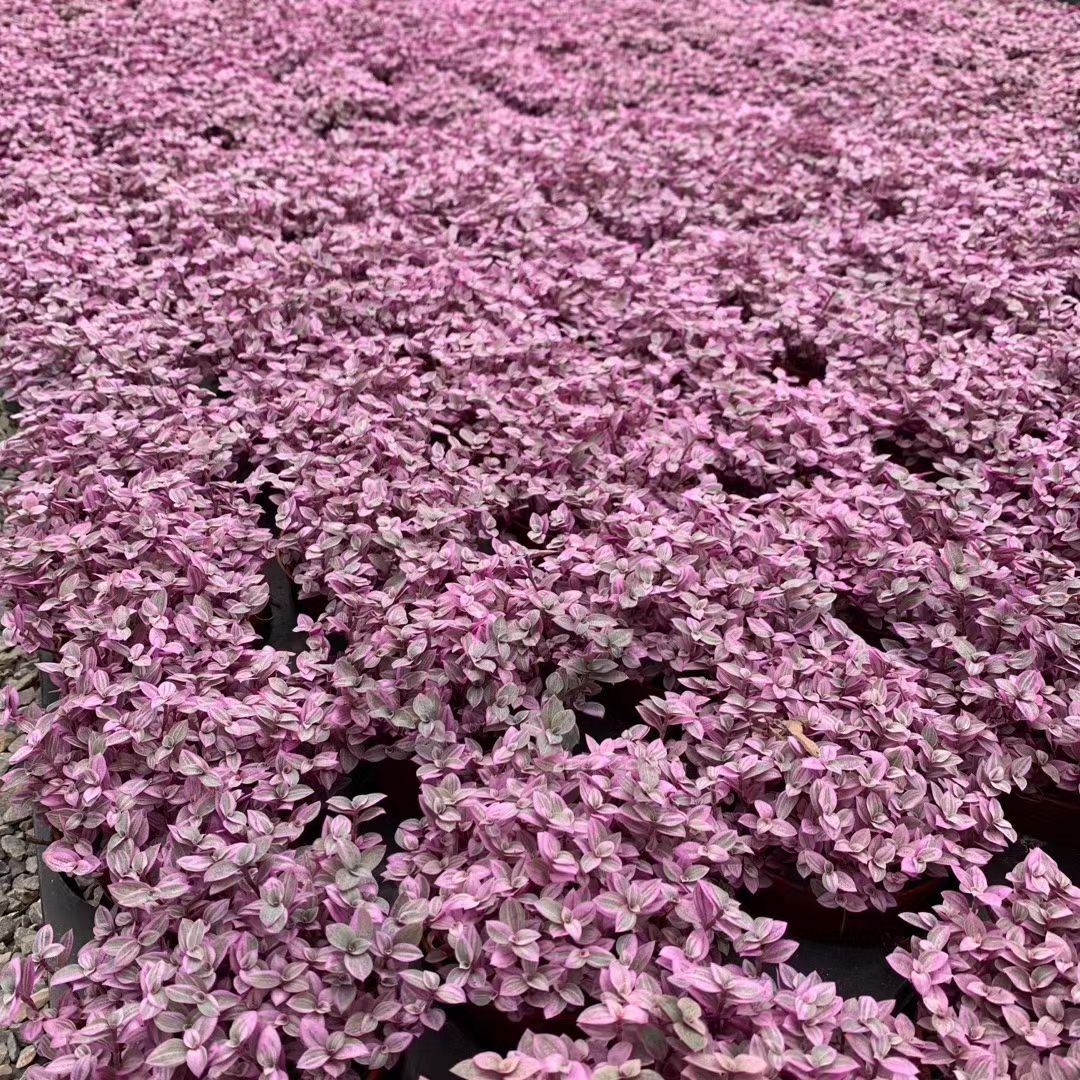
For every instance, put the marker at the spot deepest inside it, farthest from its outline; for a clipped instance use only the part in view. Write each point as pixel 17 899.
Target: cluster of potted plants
pixel 529 514
pixel 996 973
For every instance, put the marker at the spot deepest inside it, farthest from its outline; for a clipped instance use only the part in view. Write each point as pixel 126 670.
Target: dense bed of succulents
pixel 719 357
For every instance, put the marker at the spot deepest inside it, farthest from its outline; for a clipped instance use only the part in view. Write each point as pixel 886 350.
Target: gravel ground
pixel 20 905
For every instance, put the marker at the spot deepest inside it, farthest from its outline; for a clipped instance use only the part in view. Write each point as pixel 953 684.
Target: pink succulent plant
pixel 500 484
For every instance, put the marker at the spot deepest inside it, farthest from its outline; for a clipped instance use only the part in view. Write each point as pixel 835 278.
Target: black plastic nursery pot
pixel 795 903
pixel 470 1030
pixel 1051 817
pixel 501 1032
pixel 63 907
pixel 1046 819
pixel 276 623
pixel 435 1053
pixel 857 971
